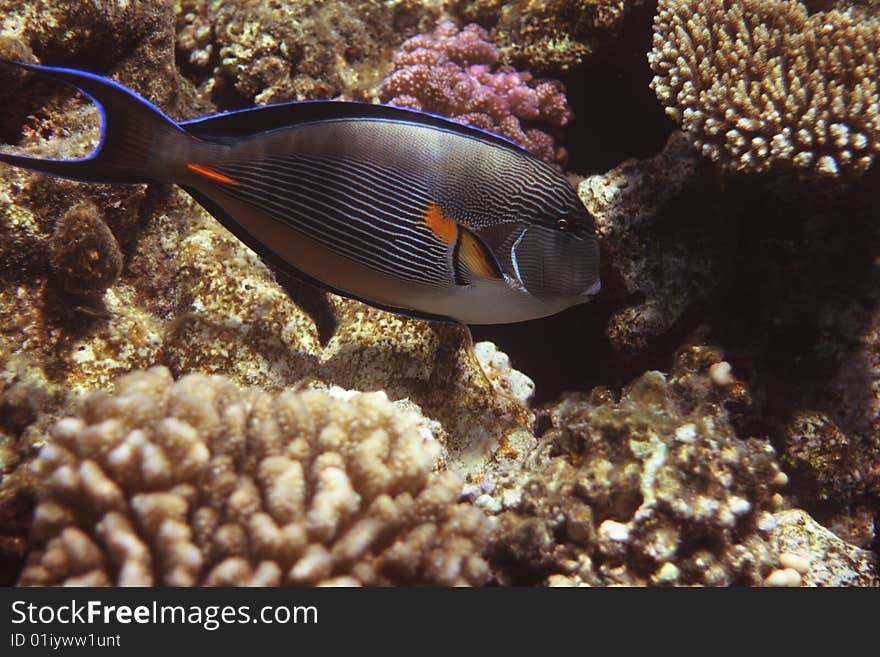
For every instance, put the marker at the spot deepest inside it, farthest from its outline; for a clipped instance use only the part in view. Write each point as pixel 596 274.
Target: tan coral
pixel 762 85
pixel 197 482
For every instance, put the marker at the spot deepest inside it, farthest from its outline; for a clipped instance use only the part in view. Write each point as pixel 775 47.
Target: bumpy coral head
pixel 197 482
pixel 455 73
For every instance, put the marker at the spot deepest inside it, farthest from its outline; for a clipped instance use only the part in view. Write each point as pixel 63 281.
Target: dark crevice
pixel 617 116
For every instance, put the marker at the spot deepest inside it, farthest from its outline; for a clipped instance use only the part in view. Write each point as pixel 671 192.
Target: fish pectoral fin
pixel 473 260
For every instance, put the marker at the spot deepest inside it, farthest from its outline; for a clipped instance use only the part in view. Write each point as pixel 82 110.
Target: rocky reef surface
pixel 174 412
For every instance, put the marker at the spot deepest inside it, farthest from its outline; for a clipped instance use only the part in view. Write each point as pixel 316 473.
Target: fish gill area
pixel 173 412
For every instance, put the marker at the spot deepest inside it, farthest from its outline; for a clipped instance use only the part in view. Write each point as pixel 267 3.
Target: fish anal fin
pixel 473 260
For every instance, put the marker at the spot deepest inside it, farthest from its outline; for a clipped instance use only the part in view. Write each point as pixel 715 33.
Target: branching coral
pixel 200 483
pixel 453 73
pixel 761 84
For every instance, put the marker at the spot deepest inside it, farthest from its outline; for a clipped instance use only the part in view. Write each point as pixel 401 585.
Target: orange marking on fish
pixel 444 228
pixel 210 174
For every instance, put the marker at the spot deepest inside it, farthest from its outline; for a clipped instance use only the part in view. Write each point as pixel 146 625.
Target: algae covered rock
pixel 549 36
pixel 822 558
pixel 133 40
pixel 652 488
pixel 85 255
pixel 663 275
pixel 256 52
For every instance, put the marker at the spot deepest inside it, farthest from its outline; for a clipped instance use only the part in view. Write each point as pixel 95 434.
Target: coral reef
pixel 246 52
pixel 760 86
pixel 452 72
pixel 189 296
pixel 653 488
pixel 194 298
pixel 670 481
pixel 199 483
pixel 549 36
pixel 787 280
pixel 50 288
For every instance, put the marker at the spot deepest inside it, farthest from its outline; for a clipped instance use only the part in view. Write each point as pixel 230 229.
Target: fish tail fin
pixel 138 142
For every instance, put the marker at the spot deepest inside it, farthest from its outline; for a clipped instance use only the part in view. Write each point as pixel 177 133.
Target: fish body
pixel 403 210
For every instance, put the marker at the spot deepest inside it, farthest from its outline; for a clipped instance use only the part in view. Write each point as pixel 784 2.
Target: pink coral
pixel 456 73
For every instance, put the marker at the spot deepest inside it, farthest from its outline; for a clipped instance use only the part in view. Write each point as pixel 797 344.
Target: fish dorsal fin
pixel 231 126
pixel 473 259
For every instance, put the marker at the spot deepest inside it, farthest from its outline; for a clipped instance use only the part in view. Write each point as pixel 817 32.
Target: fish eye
pixel 562 224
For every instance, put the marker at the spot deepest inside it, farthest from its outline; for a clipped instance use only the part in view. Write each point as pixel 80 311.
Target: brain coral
pixel 762 84
pixel 197 482
pixel 453 73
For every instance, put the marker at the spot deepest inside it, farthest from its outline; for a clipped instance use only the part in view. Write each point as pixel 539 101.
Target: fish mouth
pixel 592 291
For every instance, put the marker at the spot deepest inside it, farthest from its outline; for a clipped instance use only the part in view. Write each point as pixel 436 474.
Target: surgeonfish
pixel 406 211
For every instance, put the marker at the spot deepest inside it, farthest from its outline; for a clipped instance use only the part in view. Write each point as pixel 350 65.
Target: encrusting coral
pixel 653 488
pixel 453 72
pixel 197 482
pixel 762 85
